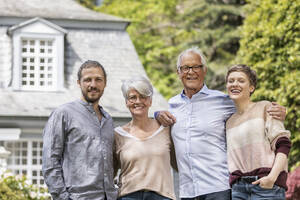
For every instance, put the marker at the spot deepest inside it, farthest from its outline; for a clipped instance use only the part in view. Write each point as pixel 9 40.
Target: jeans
pixel 143 195
pixel 223 195
pixel 242 190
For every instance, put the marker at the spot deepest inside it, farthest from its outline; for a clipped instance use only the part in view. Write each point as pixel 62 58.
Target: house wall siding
pixel 5 58
pixel 113 49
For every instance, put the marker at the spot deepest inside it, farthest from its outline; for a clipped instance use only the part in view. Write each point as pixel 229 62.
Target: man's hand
pixel 277 111
pixel 165 118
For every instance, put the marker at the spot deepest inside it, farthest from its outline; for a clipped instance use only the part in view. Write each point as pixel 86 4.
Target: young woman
pixel 257 144
pixel 144 149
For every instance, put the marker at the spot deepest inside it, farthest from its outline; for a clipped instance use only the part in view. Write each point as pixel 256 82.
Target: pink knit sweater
pixel 253 139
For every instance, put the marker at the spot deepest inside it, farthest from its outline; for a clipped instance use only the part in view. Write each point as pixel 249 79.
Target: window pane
pixel 34 144
pixel 40 63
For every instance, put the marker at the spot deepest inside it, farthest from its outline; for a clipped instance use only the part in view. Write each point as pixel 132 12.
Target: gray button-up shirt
pixel 77 153
pixel 200 143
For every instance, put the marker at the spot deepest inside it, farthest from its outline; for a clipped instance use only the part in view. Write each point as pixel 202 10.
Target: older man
pixel 199 133
pixel 78 143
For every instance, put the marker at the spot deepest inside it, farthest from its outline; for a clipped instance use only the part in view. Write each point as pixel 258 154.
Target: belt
pixel 249 179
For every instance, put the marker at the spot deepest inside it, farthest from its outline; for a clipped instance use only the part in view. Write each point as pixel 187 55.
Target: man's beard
pixel 90 100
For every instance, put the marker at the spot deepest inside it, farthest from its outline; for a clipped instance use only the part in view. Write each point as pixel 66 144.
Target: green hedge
pixel 271 45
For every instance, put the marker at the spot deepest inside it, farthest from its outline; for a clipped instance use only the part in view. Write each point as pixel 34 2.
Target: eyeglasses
pixel 186 69
pixel 134 98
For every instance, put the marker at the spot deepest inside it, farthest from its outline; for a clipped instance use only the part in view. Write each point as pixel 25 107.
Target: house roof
pixel 112 48
pixel 52 9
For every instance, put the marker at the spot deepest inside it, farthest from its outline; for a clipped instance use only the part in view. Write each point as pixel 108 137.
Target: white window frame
pixel 36 29
pixel 29 166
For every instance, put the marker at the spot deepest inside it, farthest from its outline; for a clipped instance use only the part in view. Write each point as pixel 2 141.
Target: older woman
pixel 144 149
pixel 257 144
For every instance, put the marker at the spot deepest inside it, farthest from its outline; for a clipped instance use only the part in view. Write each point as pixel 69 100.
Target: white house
pixel 42 45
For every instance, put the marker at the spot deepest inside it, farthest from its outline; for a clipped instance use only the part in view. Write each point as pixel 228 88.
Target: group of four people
pixel 215 142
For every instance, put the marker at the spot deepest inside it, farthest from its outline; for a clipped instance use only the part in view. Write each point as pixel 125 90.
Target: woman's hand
pixel 265 182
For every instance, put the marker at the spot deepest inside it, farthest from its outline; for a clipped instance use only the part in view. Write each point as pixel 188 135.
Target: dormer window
pixel 38 56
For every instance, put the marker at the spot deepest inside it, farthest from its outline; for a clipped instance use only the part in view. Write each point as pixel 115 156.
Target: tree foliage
pixel 271 44
pixel 160 30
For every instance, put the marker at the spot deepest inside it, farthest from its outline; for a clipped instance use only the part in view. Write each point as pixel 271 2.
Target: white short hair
pixel 140 84
pixel 194 50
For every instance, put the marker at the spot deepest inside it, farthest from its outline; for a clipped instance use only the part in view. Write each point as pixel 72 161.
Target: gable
pixel 37 25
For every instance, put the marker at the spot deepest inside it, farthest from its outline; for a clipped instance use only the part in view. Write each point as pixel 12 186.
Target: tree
pixel 271 45
pixel 160 30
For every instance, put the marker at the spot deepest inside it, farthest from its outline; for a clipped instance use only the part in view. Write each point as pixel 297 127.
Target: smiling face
pixel 92 84
pixel 238 86
pixel 192 81
pixel 138 104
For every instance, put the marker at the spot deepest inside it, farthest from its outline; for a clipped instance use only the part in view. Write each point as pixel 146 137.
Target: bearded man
pixel 78 143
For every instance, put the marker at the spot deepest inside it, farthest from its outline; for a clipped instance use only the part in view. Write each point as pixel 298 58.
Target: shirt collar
pixel 90 107
pixel 204 90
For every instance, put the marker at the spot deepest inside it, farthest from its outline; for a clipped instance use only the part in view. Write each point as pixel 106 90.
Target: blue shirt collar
pixel 204 90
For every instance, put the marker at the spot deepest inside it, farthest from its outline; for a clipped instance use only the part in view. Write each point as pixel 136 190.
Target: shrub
pixel 17 188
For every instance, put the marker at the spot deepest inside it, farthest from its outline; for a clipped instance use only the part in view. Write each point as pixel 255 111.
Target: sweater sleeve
pixel 283 145
pixel 278 136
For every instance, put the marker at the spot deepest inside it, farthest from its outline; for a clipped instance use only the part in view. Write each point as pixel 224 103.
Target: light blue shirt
pixel 200 142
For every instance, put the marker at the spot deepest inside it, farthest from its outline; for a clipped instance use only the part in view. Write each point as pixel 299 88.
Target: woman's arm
pixel 279 164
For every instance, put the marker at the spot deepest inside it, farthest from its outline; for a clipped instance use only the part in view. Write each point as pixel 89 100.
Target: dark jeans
pixel 223 195
pixel 242 190
pixel 143 195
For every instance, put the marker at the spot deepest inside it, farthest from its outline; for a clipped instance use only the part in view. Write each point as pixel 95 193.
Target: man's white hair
pixel 194 50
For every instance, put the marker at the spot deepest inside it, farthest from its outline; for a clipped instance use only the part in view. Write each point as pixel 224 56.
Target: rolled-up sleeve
pixel 53 146
pixel 278 136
